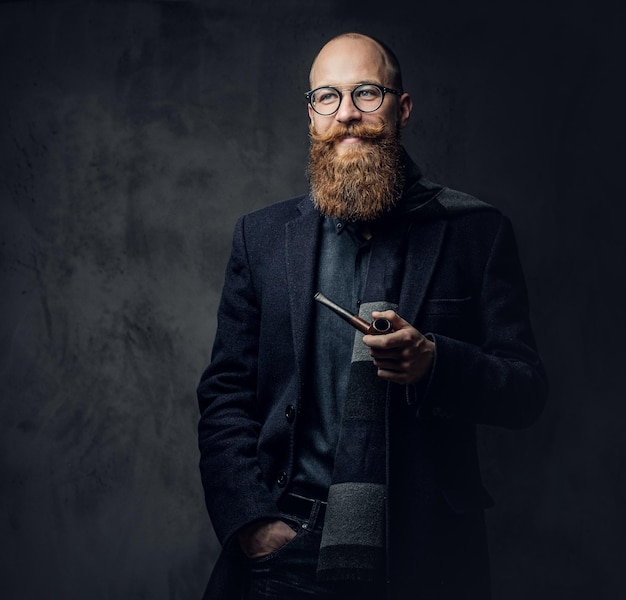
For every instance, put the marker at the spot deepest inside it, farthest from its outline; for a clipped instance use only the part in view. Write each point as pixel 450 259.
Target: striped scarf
pixel 353 543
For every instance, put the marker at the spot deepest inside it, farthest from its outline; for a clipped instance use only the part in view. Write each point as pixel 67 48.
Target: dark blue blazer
pixel 463 285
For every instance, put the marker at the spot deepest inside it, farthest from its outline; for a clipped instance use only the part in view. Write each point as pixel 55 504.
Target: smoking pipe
pixel 377 327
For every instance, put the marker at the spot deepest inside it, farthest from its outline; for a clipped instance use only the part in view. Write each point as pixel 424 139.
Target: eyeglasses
pixel 367 97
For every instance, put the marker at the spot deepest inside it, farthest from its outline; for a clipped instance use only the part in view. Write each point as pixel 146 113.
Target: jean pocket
pixel 285 548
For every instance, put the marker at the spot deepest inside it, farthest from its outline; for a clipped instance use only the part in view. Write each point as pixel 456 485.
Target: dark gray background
pixel 134 134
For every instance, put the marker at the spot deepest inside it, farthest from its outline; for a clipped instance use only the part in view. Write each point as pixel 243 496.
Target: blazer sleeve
pixel 500 380
pixel 229 426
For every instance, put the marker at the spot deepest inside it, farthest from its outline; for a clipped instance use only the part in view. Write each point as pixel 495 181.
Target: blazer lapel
pixel 423 248
pixel 301 246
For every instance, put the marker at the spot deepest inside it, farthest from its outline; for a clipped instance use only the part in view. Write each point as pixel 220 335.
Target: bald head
pixel 369 49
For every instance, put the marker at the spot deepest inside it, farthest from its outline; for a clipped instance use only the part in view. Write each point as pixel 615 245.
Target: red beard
pixel 362 183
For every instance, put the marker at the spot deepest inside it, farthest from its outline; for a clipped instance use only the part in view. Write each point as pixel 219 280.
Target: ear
pixel 310 109
pixel 404 109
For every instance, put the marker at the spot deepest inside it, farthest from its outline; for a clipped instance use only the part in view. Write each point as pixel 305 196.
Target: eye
pixel 325 96
pixel 367 93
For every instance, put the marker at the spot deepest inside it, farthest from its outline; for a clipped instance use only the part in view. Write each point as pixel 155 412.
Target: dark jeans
pixel 290 572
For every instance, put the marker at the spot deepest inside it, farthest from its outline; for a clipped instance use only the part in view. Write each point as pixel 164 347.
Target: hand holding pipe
pixel 377 327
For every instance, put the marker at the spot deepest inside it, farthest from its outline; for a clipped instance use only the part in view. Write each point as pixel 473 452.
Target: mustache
pixel 352 130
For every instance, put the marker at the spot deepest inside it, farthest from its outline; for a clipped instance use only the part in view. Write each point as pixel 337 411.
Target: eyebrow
pixel 348 85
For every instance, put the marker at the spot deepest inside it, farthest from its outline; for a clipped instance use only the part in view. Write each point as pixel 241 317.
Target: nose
pixel 347 112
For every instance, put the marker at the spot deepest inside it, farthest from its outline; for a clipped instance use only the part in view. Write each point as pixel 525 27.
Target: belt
pixel 300 506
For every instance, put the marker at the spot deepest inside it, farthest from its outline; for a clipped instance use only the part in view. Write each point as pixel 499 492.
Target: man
pixel 342 465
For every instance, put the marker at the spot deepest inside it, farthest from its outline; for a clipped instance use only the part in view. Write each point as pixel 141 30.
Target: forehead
pixel 348 61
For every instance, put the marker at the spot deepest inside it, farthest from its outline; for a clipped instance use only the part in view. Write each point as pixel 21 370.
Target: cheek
pixel 388 113
pixel 391 119
pixel 321 124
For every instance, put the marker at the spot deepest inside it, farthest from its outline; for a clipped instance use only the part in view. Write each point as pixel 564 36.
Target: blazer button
pixel 282 479
pixel 290 413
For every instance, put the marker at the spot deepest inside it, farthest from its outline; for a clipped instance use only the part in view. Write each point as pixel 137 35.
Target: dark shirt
pixel 342 270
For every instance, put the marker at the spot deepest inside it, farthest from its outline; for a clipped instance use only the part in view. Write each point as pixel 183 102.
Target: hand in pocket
pixel 263 538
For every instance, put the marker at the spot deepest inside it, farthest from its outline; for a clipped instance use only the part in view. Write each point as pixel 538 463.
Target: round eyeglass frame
pixel 384 90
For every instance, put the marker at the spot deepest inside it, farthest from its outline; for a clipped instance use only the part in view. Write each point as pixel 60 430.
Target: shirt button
pixel 290 413
pixel 282 479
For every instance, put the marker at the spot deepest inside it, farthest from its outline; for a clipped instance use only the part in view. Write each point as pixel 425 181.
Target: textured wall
pixel 134 134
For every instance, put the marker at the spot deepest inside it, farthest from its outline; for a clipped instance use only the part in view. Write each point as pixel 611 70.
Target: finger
pixel 393 376
pixel 392 368
pixel 387 354
pixel 397 322
pixel 401 338
pixel 397 364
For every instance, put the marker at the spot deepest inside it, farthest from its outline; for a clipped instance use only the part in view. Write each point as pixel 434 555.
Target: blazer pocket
pixel 452 317
pixel 447 306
